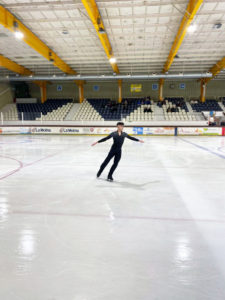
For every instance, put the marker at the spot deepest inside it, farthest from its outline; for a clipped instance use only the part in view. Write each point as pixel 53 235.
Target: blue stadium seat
pixel 31 111
pixel 208 105
pixel 110 110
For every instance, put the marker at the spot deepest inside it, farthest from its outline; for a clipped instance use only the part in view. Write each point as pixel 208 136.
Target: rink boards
pixel 83 130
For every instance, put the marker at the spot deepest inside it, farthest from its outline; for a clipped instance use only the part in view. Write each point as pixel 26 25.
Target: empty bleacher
pixel 208 105
pixel 10 113
pixel 86 112
pixel 111 110
pixel 52 109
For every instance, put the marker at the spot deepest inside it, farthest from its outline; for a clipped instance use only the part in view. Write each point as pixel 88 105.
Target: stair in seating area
pixel 189 107
pixel 10 112
pixel 222 106
pixel 159 113
pixel 72 111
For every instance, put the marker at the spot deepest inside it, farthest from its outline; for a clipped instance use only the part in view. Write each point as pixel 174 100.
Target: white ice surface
pixel 156 233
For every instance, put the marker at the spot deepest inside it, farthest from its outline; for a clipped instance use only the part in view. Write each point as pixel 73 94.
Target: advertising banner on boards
pixel 199 131
pixel 107 130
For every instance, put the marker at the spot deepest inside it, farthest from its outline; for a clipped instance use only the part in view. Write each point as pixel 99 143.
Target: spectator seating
pixel 86 112
pixel 130 109
pixel 52 109
pixel 223 102
pixel 144 112
pixel 175 109
pixel 208 105
pixel 58 114
pixel 111 110
pixel 178 102
pixel 11 114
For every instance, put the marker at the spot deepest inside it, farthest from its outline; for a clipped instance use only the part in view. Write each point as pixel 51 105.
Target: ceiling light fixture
pixel 101 30
pixel 112 60
pixel 217 25
pixel 65 31
pixel 18 34
pixel 192 28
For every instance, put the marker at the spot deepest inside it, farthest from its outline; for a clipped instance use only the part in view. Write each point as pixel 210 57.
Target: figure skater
pixel 115 151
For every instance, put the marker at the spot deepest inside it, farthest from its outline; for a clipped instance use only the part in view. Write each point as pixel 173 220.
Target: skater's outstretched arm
pixel 133 138
pixel 103 140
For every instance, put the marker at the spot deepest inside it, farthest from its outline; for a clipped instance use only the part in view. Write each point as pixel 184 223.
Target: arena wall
pixel 215 89
pixel 6 94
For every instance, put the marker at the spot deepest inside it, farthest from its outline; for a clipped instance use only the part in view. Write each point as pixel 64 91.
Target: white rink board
pixel 86 130
pixel 107 130
pixel 200 131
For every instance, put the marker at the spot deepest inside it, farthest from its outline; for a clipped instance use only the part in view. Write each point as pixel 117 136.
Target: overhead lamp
pixel 65 31
pixel 19 35
pixel 50 56
pixel 217 25
pixel 101 30
pixel 192 28
pixel 112 60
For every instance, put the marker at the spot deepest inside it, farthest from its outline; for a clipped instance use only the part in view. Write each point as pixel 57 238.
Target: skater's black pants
pixel 117 156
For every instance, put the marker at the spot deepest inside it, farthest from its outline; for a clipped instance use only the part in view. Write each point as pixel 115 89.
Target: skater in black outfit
pixel 115 151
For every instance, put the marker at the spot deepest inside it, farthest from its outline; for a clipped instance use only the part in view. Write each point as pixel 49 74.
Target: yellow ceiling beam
pixel 12 66
pixel 190 12
pixel 216 69
pixel 94 14
pixel 13 24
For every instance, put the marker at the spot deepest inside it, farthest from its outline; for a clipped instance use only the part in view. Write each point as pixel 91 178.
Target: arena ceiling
pixel 141 34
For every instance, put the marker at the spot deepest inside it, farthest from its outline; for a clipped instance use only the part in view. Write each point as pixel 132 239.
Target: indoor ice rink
pixel 112 150
pixel 72 236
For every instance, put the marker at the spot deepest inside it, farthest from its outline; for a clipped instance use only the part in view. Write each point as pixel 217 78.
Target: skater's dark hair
pixel 120 123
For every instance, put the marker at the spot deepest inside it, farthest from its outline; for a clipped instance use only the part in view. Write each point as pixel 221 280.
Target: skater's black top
pixel 118 139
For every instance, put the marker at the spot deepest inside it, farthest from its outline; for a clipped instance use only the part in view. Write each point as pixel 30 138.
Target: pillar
pixel 203 90
pixel 161 82
pixel 120 91
pixel 43 89
pixel 81 92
